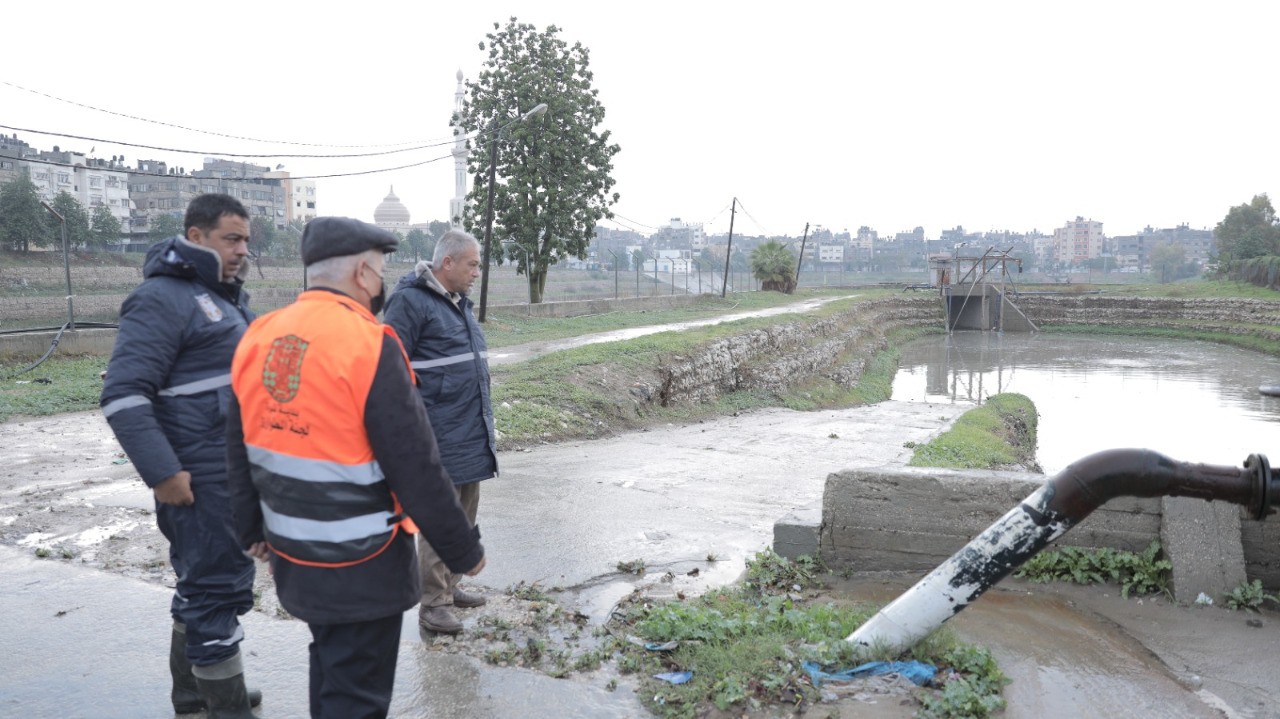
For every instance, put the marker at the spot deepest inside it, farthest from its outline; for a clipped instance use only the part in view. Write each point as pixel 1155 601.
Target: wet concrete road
pixel 79 642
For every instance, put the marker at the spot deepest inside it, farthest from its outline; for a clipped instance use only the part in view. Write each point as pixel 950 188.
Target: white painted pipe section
pixel 1001 548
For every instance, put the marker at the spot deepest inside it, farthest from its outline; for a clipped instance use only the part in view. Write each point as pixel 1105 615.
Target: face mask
pixel 377 301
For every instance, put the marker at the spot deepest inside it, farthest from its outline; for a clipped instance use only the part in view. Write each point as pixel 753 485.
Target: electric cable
pixel 193 129
pixel 212 152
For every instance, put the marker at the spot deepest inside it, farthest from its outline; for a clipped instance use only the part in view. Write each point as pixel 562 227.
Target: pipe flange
pixel 1261 468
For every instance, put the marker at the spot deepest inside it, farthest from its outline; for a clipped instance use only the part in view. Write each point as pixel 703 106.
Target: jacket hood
pixel 178 257
pixel 423 278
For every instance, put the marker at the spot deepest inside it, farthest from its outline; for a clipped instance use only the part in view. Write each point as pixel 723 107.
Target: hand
pixel 476 569
pixel 175 490
pixel 259 551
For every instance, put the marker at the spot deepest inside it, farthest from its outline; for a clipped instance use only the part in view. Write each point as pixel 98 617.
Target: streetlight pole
pixel 66 263
pixel 539 109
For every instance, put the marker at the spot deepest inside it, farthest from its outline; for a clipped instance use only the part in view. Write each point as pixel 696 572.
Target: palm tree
pixel 774 266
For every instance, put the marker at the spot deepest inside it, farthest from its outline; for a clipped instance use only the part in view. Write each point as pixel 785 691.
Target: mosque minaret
pixel 459 202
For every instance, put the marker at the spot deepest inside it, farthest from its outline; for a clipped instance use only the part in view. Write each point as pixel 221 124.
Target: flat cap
pixel 326 237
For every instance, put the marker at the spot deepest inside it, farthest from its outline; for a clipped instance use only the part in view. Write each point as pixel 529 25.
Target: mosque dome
pixel 391 211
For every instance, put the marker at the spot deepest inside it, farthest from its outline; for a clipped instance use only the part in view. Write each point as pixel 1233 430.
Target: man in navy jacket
pixel 433 317
pixel 165 395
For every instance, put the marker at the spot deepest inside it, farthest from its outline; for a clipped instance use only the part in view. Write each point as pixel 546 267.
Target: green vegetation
pixel 1244 341
pixel 60 384
pixel 503 328
pixel 1135 573
pixel 582 392
pixel 745 646
pixel 1248 595
pixel 999 433
pixel 1202 289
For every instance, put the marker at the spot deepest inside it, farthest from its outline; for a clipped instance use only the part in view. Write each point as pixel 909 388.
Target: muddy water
pixel 1194 401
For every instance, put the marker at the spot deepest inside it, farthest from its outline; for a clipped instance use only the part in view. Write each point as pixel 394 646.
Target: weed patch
pixel 1248 595
pixel 1139 574
pixel 745 647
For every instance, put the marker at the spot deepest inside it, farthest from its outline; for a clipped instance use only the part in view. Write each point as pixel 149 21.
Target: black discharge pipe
pixel 1063 502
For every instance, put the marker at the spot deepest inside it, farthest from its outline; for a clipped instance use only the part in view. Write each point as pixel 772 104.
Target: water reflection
pixel 1195 401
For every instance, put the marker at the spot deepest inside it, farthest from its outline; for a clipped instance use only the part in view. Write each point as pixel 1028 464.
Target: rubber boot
pixel 186 694
pixel 222 686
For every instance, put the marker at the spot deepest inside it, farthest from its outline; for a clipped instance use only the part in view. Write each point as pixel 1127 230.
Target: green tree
pixel 262 235
pixel 106 227
pixel 78 234
pixel 435 230
pixel 164 226
pixel 1248 231
pixel 553 172
pixel 289 243
pixel 417 241
pixel 22 218
pixel 774 265
pixel 1167 260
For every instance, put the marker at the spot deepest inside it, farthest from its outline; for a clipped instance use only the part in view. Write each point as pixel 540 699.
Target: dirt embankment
pixel 1259 318
pixel 778 357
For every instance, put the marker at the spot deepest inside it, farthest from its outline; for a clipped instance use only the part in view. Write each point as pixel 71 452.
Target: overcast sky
pixel 991 115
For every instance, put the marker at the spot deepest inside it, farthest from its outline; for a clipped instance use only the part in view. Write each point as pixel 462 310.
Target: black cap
pixel 326 237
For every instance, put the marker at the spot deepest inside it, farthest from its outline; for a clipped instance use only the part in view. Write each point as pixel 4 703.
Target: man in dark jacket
pixel 433 316
pixel 331 454
pixel 165 396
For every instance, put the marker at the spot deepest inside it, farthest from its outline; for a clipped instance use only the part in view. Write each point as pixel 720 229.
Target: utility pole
pixel 728 252
pixel 801 260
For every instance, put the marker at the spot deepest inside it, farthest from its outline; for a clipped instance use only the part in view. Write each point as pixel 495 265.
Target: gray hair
pixel 452 244
pixel 336 269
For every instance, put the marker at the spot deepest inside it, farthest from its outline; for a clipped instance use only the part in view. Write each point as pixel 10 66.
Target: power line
pixel 193 129
pixel 759 226
pixel 211 152
pixel 238 179
pixel 636 223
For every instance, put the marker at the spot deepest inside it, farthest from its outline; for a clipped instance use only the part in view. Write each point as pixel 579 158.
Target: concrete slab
pixel 1202 541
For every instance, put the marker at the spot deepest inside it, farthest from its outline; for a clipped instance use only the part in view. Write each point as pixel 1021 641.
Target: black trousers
pixel 353 668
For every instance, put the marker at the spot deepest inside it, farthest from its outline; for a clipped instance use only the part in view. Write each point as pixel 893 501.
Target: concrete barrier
pixel 914 518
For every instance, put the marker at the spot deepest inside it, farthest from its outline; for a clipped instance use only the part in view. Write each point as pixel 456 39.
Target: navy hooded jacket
pixel 167 387
pixel 447 350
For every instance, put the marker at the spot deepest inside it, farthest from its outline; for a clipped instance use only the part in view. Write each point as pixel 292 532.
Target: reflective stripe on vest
pixel 302 375
pixel 455 359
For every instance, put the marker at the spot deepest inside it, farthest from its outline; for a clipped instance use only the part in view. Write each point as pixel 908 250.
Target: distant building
pixel 158 189
pixel 1078 241
pixel 91 181
pixel 1135 250
pixel 300 194
pixel 680 235
pixel 458 205
pixel 391 214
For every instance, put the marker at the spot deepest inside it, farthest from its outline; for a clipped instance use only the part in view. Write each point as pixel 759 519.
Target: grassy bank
pixel 63 384
pixel 502 329
pixel 744 648
pixel 1244 341
pixel 999 434
pixel 599 389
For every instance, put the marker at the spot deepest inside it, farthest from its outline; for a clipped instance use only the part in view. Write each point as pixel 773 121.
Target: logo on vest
pixel 282 370
pixel 209 307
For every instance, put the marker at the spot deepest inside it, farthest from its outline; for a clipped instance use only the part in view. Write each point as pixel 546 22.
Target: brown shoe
pixel 467 600
pixel 438 619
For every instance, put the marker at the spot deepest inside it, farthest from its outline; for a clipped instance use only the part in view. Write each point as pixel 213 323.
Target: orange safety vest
pixel 302 375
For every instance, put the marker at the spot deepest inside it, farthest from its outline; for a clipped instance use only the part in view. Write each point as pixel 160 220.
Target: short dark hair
pixel 207 210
